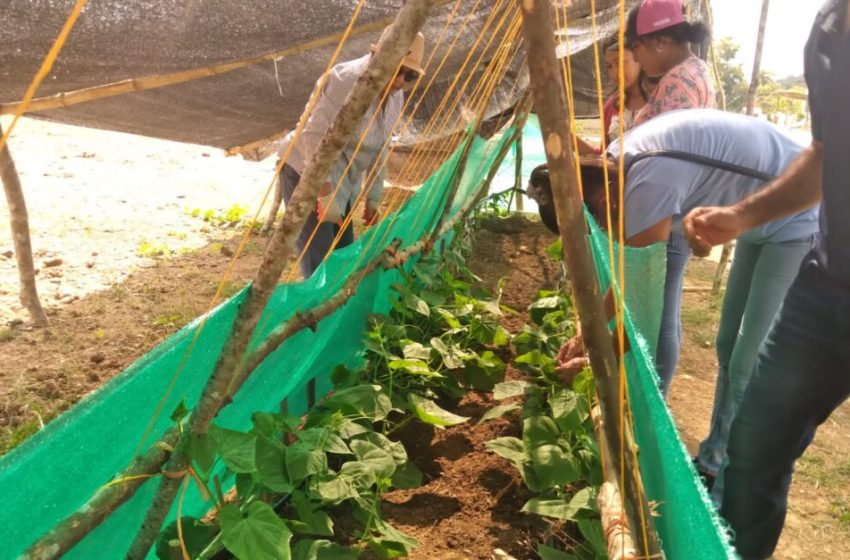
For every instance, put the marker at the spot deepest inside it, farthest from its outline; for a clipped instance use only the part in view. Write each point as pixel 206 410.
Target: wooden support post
pixel 551 107
pixel 518 180
pixel 391 48
pixel 21 236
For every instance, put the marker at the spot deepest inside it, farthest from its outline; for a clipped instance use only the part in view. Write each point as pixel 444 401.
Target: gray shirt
pixel 828 78
pixel 375 129
pixel 660 187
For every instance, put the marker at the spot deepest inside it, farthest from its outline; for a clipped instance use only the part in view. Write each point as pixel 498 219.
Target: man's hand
pixel 571 360
pixel 710 226
pixel 369 215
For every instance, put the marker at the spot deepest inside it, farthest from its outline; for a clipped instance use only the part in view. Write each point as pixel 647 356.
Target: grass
pixel 701 319
pixel 7 334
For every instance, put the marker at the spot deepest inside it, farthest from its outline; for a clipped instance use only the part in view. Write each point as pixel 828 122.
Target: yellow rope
pixel 46 65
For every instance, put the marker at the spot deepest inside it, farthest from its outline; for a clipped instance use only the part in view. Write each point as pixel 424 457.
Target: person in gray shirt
pixel 803 370
pixel 367 149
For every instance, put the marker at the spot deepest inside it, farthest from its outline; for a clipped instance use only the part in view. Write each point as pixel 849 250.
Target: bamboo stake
pixel 71 530
pixel 518 183
pixel 20 227
pixel 230 365
pixel 69 98
pixel 550 104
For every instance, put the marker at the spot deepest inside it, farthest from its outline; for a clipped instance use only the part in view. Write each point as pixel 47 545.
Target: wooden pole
pixel 551 108
pixel 752 96
pixel 518 180
pixel 71 530
pixel 382 64
pixel 20 228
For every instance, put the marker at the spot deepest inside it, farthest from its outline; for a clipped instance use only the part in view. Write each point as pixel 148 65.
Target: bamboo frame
pixel 391 48
pixel 549 101
pixel 73 528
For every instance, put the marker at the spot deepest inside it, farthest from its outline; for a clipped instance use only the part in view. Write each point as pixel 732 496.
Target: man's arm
pixel 797 189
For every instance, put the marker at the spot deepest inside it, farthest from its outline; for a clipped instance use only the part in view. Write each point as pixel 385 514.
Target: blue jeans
pixel 758 281
pixel 325 234
pixel 801 376
pixel 670 334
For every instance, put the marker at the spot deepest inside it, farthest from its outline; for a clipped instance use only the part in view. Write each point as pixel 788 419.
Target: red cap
pixel 655 15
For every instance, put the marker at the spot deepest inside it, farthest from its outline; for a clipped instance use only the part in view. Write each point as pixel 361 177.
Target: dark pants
pixel 802 375
pixel 325 234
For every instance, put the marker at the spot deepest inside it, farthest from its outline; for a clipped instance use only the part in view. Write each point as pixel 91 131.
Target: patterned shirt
pixel 373 150
pixel 685 86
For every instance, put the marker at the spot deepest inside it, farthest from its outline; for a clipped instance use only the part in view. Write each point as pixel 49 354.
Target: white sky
pixel 788 26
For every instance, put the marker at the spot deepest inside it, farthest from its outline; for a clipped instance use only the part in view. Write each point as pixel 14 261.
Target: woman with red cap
pixel 660 37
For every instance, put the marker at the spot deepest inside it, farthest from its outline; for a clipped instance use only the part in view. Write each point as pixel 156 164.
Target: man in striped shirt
pixel 339 194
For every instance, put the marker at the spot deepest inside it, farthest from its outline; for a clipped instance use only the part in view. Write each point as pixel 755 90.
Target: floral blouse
pixel 686 86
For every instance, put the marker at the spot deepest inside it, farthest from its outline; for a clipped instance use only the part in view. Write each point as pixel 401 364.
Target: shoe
pixel 706 477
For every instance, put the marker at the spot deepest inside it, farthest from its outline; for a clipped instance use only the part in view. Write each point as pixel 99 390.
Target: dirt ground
pixel 136 265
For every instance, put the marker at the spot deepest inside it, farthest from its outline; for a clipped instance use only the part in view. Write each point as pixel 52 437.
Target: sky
pixel 788 26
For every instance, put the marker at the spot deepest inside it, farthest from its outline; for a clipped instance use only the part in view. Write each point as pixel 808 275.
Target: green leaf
pixel 555 251
pixel 391 543
pixel 449 318
pixel 407 476
pixel 559 508
pixel 237 449
pixel 539 430
pixel 352 428
pixel 553 466
pixel 303 460
pixel 258 534
pixel 313 520
pixel 549 553
pixel 413 367
pixel 509 389
pixel 271 425
pixel 565 410
pixel 429 412
pixel 536 362
pixel 180 411
pixel 368 401
pixel 202 450
pixel 449 356
pixel 416 351
pixel 376 458
pixel 592 531
pixel 510 448
pixel 354 477
pixel 394 448
pixel 196 537
pixel 308 549
pixel 538 310
pixel 321 437
pixel 417 304
pixel 498 412
pixel 271 465
pixel 484 371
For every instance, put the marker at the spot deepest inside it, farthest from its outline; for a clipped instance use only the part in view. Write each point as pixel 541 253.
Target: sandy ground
pixel 98 201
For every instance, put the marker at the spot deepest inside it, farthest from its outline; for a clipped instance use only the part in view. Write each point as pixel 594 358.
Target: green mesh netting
pixel 58 469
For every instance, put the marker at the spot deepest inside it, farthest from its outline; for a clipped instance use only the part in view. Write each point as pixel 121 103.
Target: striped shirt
pixel 373 150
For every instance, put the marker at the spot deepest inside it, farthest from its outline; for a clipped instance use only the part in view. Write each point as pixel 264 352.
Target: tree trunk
pixel 752 93
pixel 391 49
pixel 550 104
pixel 21 236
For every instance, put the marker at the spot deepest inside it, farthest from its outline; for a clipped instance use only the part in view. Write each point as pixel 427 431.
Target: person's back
pixel 659 185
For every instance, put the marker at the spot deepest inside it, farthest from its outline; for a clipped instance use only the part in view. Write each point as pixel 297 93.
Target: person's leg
pixel 712 450
pixel 324 232
pixel 670 334
pixel 802 375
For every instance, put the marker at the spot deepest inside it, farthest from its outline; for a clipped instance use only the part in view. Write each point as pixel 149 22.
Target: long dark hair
pixel 681 33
